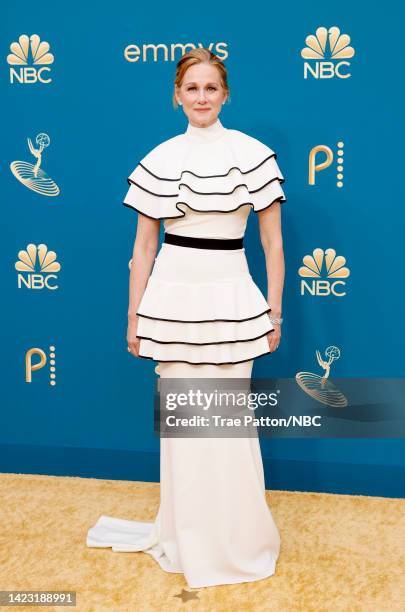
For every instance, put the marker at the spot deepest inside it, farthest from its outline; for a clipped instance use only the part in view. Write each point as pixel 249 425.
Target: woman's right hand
pixel 132 341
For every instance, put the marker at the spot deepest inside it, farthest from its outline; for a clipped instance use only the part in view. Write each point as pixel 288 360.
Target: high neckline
pixel 205 134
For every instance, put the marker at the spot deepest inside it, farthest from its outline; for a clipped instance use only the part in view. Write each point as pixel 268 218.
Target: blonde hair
pixel 199 56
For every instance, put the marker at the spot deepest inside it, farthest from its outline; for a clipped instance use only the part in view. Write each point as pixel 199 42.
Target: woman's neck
pixel 205 134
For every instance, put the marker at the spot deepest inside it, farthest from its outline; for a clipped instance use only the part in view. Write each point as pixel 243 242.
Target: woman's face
pixel 201 94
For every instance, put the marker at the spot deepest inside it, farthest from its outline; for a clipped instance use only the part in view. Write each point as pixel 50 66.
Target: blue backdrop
pixel 102 113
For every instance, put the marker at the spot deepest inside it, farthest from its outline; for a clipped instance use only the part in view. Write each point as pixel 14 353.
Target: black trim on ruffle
pixel 204 320
pixel 269 352
pixel 149 216
pixel 205 193
pixel 280 199
pixel 160 178
pixel 204 343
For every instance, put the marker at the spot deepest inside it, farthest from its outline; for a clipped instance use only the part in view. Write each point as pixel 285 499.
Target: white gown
pixel 202 315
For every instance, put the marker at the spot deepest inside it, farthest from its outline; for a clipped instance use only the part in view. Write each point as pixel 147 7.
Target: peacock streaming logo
pixel 30 60
pixel 322 157
pixel 169 53
pixel 323 272
pixel 36 360
pixel 328 52
pixel 37 267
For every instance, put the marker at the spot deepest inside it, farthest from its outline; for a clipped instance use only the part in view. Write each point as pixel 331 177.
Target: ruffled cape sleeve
pixel 234 171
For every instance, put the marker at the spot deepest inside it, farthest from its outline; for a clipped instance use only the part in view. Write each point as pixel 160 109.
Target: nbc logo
pixel 324 46
pixel 315 166
pixel 30 50
pixel 323 263
pixel 39 266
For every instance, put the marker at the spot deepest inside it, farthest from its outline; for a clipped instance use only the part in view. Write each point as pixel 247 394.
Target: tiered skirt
pixel 202 306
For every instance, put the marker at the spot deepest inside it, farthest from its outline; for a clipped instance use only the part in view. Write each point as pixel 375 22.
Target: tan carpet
pixel 338 552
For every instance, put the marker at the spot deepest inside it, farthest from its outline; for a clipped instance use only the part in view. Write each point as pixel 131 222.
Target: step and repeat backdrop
pixel 86 93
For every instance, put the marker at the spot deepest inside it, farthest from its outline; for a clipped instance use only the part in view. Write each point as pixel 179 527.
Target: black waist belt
pixel 204 243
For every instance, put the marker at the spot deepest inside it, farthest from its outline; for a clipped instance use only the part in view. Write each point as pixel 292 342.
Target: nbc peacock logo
pixel 328 51
pixel 37 267
pixel 29 60
pixel 321 264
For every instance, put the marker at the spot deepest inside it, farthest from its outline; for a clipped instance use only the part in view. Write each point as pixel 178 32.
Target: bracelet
pixel 275 320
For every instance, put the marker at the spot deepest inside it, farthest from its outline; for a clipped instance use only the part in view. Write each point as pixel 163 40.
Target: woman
pixel 199 314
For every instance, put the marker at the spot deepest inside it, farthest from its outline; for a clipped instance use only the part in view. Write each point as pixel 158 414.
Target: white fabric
pixel 213 523
pixel 209 224
pixel 203 333
pixel 205 169
pixel 209 289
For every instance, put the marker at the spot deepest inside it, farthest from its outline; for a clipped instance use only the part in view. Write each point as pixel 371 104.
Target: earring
pixel 179 103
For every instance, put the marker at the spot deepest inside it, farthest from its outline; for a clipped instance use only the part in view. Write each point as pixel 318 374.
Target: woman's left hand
pixel 274 337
